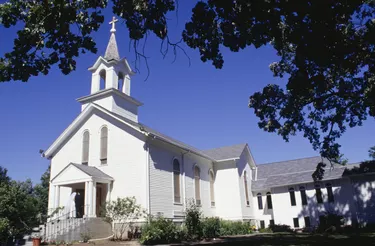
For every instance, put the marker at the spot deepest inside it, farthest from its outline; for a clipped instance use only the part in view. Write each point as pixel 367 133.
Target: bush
pixel 228 228
pixel 280 228
pixel 211 227
pixel 330 222
pixel 265 230
pixel 193 221
pixel 161 231
pixel 122 212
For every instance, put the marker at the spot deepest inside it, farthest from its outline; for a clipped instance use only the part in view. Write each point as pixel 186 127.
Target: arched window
pixel 303 195
pixel 176 181
pixel 121 82
pixel 246 189
pixel 102 75
pixel 318 193
pixel 85 147
pixel 330 193
pixel 260 202
pixel 212 188
pixel 103 145
pixel 269 200
pixel 292 197
pixel 197 174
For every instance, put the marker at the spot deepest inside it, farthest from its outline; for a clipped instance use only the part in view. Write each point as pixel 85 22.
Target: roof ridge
pixel 225 146
pixel 303 158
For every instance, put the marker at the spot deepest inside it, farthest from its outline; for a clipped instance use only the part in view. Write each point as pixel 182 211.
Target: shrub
pixel 122 212
pixel 161 231
pixel 280 228
pixel 265 230
pixel 228 228
pixel 211 227
pixel 86 235
pixel 330 222
pixel 193 220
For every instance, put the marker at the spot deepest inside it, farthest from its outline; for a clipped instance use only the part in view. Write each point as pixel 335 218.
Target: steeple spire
pixel 112 51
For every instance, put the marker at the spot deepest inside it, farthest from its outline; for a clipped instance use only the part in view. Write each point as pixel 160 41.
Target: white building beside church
pixel 107 153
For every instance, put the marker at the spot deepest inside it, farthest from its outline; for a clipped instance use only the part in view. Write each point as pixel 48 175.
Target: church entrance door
pixel 98 200
pixel 80 203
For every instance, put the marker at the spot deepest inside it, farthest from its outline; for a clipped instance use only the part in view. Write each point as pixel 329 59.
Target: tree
pixel 41 192
pixel 18 209
pixel 121 213
pixel 371 152
pixel 326 51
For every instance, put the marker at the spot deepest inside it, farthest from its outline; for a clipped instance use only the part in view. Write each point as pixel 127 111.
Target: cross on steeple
pixel 113 22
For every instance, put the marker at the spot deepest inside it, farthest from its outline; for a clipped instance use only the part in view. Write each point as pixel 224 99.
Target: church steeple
pixel 114 93
pixel 111 52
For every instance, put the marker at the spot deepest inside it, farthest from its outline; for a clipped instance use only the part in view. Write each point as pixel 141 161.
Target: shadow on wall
pixel 354 197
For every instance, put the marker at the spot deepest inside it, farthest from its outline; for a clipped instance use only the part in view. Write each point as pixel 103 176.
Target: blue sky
pixel 196 104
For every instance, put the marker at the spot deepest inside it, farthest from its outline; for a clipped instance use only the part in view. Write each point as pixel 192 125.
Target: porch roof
pixel 76 172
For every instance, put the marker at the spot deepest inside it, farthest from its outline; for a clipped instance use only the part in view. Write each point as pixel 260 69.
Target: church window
pixel 176 181
pixel 103 145
pixel 85 147
pixel 330 193
pixel 292 197
pixel 302 190
pixel 212 188
pixel 102 75
pixel 296 222
pixel 197 173
pixel 260 202
pixel 269 200
pixel 307 221
pixel 246 189
pixel 318 193
pixel 262 224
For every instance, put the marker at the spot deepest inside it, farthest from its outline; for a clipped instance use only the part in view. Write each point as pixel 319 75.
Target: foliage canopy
pixel 326 51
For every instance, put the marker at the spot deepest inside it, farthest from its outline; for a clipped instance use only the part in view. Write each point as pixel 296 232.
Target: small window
pixel 262 225
pixel 85 147
pixel 269 200
pixel 303 195
pixel 260 202
pixel 176 180
pixel 318 193
pixel 330 193
pixel 292 197
pixel 295 222
pixel 307 221
pixel 212 188
pixel 246 189
pixel 272 222
pixel 103 145
pixel 197 174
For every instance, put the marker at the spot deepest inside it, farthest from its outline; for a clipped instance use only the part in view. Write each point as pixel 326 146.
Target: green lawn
pixel 303 239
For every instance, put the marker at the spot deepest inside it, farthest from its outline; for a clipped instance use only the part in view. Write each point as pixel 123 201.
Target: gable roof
pixel 89 170
pixel 226 152
pixel 92 171
pixel 293 172
pixel 135 125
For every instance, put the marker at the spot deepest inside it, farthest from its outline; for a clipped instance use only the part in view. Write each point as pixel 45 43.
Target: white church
pixel 106 153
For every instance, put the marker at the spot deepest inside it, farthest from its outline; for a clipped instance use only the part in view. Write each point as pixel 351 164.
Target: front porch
pixel 92 189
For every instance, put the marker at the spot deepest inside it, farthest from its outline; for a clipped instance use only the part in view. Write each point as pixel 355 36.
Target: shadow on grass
pixel 297 239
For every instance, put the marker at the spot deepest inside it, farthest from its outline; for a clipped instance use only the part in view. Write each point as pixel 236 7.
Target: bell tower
pixel 110 82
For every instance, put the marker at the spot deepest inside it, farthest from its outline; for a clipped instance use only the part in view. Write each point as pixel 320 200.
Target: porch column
pixel 57 196
pixel 86 205
pixel 93 199
pixel 108 192
pixel 89 196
